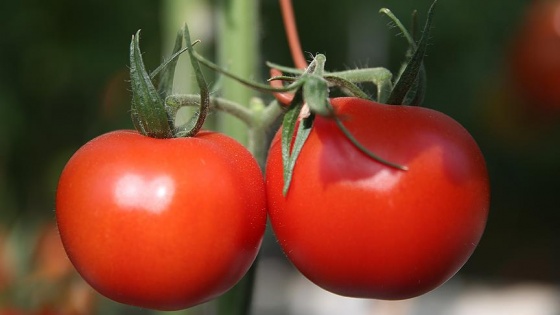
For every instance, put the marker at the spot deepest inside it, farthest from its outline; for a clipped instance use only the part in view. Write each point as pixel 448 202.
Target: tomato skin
pixel 535 56
pixel 161 223
pixel 359 228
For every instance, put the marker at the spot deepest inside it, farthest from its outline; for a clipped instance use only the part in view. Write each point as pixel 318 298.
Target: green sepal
pixel 195 123
pixel 417 93
pixel 165 86
pixel 291 152
pixel 363 149
pixel 316 95
pixel 304 129
pixel 409 87
pixel 314 92
pixel 147 109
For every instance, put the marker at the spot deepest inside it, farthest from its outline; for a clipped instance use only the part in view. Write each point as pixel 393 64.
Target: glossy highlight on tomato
pixel 161 223
pixel 359 228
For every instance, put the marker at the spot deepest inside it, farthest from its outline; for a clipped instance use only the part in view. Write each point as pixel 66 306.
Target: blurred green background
pixel 63 81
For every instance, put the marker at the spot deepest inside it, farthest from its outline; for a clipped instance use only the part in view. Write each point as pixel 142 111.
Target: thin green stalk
pixel 176 101
pixel 264 119
pixel 237 52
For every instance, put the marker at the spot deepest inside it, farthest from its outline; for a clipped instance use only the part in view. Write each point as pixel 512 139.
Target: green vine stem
pixel 264 119
pixel 176 101
pixel 237 44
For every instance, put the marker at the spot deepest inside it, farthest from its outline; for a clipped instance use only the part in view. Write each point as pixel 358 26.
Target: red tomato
pixel 535 63
pixel 360 228
pixel 161 223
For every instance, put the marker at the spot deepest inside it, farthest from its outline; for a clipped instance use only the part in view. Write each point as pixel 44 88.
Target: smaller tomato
pixel 535 56
pixel 8 265
pixel 161 223
pixel 49 258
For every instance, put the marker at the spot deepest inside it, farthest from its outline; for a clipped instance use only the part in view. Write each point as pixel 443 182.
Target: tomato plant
pixel 367 200
pixel 535 56
pixel 161 223
pixel 361 228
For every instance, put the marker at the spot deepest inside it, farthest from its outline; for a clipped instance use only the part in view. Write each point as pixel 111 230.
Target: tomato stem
pixel 250 116
pixel 292 34
pixel 237 50
pixel 264 120
pixel 248 83
pixel 379 76
pixel 176 101
pixel 295 49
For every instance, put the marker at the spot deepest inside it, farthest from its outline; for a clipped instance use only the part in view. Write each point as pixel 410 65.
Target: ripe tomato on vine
pixel 161 223
pixel 360 228
pixel 156 219
pixel 369 199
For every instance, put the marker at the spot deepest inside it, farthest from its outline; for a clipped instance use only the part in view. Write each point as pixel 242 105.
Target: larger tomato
pixel 161 223
pixel 360 228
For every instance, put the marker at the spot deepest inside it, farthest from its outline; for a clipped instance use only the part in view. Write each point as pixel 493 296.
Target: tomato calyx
pixel 408 88
pixel 311 99
pixel 149 112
